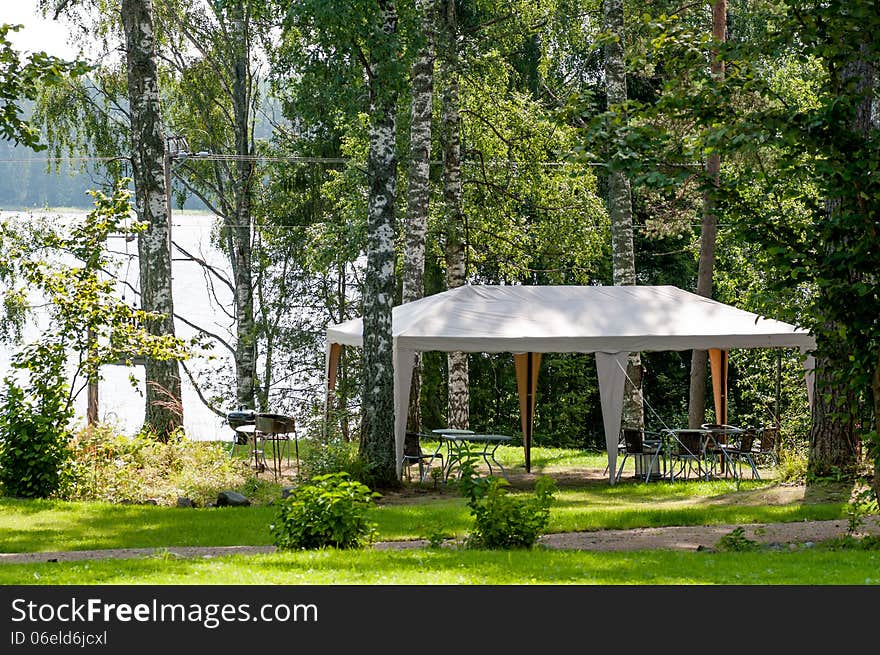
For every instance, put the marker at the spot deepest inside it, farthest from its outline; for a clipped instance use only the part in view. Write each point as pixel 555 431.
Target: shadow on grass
pixel 60 526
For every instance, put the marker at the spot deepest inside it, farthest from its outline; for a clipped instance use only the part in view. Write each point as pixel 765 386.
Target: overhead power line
pixel 261 158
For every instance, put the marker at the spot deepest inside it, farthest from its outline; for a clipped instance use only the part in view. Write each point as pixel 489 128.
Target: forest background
pixel 744 151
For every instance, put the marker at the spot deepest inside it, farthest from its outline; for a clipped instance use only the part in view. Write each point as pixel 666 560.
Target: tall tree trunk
pixel 875 393
pixel 418 188
pixel 164 411
pixel 620 207
pixel 377 428
pixel 457 362
pixel 708 235
pixel 834 443
pixel 239 222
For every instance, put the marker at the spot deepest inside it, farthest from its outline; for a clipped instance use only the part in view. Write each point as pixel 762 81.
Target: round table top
pixel 248 428
pixel 729 429
pixel 451 431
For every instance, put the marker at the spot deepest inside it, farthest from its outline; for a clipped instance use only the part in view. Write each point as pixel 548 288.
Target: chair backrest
pixel 747 440
pixel 632 439
pixel 411 447
pixel 769 440
pixel 689 442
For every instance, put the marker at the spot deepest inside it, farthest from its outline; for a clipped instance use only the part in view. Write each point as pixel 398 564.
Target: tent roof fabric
pixel 487 318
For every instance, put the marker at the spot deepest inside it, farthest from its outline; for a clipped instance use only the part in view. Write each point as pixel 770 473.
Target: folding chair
pixel 635 444
pixel 768 445
pixel 414 455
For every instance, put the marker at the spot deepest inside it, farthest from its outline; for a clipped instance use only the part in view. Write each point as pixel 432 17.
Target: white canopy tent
pixel 610 321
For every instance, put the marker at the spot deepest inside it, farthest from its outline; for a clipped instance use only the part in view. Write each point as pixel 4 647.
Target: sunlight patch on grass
pixel 460 567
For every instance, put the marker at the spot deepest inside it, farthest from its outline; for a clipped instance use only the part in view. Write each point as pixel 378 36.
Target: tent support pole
pixel 718 360
pixel 333 355
pixel 527 367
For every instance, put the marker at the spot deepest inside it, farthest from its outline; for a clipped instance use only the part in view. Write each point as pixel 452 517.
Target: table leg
pixel 497 463
pixel 452 456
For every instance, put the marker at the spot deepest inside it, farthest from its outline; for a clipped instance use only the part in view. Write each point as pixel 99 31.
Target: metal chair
pixel 720 441
pixel 414 455
pixel 741 452
pixel 767 446
pixel 688 454
pixel 635 444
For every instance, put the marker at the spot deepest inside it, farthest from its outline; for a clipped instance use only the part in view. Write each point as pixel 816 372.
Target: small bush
pixel 112 467
pixel 33 440
pixel 862 504
pixel 326 511
pixel 792 467
pixel 737 541
pixel 333 456
pixel 502 520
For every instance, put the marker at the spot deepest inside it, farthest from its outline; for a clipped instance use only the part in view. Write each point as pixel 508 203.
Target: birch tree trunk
pixel 418 188
pixel 377 428
pixel 457 362
pixel 708 237
pixel 239 223
pixel 620 207
pixel 163 411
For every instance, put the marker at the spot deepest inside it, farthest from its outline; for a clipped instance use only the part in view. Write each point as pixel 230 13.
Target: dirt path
pixel 786 535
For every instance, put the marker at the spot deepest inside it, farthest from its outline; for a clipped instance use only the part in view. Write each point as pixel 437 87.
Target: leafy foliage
pixel 327 511
pixel 21 79
pixel 735 540
pixel 334 456
pixel 112 467
pixel 68 266
pixel 502 520
pixel 34 429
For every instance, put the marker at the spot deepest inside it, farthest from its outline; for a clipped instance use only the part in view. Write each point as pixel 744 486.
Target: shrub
pixel 33 439
pixel 333 456
pixel 326 511
pixel 502 520
pixel 737 541
pixel 792 467
pixel 112 467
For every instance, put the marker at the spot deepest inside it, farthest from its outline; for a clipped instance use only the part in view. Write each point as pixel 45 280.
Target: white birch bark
pixel 418 187
pixel 239 223
pixel 620 208
pixel 457 362
pixel 163 411
pixel 377 418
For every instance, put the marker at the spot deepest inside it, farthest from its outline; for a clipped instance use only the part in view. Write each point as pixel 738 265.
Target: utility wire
pixel 265 158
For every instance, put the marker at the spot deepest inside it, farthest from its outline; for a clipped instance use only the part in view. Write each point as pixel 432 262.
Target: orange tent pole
pixel 718 361
pixel 332 370
pixel 527 367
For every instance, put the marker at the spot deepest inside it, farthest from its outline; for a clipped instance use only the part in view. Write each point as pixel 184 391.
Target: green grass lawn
pixel 468 567
pixel 49 525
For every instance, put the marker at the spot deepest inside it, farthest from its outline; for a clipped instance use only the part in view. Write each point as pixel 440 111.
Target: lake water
pixel 118 401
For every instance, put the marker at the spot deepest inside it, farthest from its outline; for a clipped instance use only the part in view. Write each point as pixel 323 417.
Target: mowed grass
pixel 590 504
pixel 442 566
pixel 47 525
